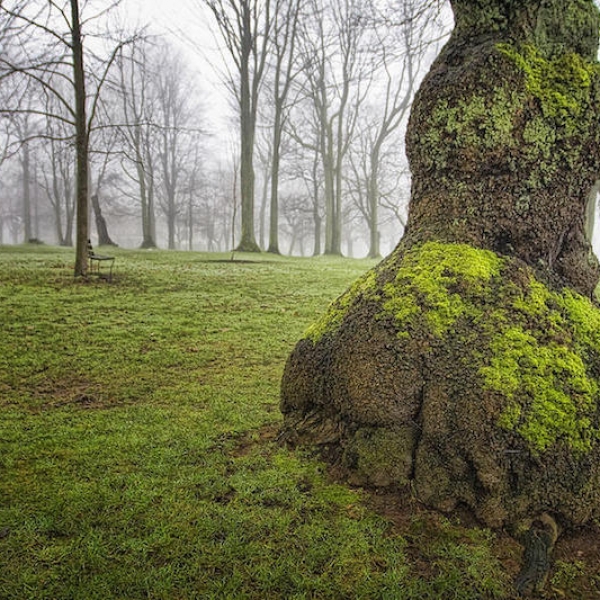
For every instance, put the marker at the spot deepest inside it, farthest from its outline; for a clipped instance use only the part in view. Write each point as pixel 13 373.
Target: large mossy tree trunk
pixel 467 364
pixel 503 138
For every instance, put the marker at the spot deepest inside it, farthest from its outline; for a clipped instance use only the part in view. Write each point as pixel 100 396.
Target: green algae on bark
pixel 474 349
pixel 532 355
pixel 478 359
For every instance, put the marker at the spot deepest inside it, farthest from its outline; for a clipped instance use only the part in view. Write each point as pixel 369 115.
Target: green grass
pixel 137 443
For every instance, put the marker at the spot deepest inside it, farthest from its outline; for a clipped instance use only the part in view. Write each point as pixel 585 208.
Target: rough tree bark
pixel 467 364
pixel 82 141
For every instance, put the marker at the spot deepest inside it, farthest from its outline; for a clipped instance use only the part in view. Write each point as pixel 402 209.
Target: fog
pixel 168 163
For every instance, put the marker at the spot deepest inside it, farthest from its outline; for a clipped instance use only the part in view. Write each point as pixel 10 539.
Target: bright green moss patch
pixel 538 339
pixel 562 85
pixel 584 319
pixel 537 348
pixel 555 397
pixel 434 280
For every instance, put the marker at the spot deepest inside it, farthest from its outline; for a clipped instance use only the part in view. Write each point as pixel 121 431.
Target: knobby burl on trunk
pixel 468 362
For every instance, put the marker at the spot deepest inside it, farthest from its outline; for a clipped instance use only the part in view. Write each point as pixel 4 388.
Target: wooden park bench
pixel 97 260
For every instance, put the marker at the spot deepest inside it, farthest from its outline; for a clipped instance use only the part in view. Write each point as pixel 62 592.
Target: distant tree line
pixel 98 119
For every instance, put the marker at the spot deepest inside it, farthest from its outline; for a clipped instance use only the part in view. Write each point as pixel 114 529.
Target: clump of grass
pixel 131 453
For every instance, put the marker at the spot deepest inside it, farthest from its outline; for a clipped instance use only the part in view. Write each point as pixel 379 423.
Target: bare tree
pixel 159 124
pixel 400 52
pixel 245 29
pixel 192 186
pixel 49 38
pixel 335 55
pixel 104 152
pixel 24 131
pixel 136 129
pixel 284 39
pixel 57 175
pixel 178 122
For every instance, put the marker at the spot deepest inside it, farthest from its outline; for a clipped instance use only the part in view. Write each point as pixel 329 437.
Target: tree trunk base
pixel 467 364
pixel 248 246
pixel 445 368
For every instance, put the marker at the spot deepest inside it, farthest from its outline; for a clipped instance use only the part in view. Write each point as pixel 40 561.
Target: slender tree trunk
pixel 263 213
pixel 81 145
pixel 336 245
pixel 350 246
pixel 25 163
pixel 36 208
pixel 317 220
pixel 101 227
pixel 151 219
pixel 293 242
pixel 373 206
pixel 274 207
pixel 190 223
pixel 70 209
pixel 247 129
pixel 234 212
pixel 148 236
pixel 247 241
pixel 318 224
pixel 171 227
pixel 329 179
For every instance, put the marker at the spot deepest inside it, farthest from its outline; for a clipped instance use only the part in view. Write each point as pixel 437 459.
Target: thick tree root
pixel 539 544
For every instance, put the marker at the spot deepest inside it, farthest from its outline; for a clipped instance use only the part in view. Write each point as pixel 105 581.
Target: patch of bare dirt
pixel 257 437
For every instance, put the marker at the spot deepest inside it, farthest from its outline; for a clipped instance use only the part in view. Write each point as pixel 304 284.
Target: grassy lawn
pixel 137 445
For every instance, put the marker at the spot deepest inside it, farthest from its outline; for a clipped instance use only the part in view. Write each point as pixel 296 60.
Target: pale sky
pixel 182 22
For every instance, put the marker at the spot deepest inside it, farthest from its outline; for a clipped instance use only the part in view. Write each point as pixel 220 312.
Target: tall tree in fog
pixel 105 142
pixel 178 122
pixel 137 105
pixel 193 184
pixel 399 53
pixel 160 127
pixel 47 43
pixel 335 60
pixel 245 29
pixel 284 35
pixel 23 122
pixel 56 173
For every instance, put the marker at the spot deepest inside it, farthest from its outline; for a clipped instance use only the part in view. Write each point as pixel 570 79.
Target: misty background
pixel 331 85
